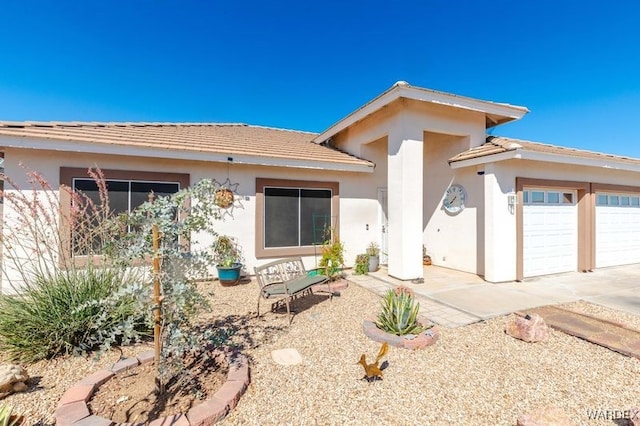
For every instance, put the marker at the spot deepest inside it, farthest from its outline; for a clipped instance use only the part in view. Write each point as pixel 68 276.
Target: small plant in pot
pixel 228 258
pixel 373 251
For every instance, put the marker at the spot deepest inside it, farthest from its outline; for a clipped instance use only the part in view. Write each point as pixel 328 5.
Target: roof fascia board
pixel 522 154
pixel 424 95
pixel 578 161
pixel 384 99
pixel 80 147
pixel 507 155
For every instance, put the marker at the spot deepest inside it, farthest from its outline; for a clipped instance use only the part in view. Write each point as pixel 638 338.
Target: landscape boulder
pixel 12 379
pixel 530 328
pixel 545 416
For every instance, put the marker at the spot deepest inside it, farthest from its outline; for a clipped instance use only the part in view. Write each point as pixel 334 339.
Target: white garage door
pixel 550 232
pixel 617 229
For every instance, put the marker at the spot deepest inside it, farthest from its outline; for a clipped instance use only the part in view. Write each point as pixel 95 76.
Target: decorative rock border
pixel 73 410
pixel 421 341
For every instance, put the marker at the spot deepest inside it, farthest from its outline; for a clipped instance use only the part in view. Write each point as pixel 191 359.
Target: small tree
pixel 117 307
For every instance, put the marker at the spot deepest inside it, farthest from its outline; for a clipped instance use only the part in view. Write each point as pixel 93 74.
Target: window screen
pixel 295 217
pixel 124 195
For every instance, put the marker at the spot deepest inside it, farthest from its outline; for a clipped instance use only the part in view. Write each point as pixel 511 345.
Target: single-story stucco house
pixel 413 167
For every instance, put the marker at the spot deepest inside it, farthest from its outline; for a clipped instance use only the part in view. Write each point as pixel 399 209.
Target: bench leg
pixel 259 296
pixel 288 310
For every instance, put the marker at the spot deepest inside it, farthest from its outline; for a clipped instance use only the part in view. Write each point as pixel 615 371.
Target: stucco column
pixel 499 227
pixel 405 150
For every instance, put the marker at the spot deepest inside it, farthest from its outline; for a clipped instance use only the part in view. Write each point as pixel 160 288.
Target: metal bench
pixel 285 279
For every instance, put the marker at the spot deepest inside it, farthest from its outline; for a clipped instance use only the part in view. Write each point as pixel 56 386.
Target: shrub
pixel 362 264
pixel 332 260
pixel 66 312
pixel 399 314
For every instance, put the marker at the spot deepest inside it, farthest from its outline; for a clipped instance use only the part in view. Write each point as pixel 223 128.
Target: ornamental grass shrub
pixel 87 286
pixel 68 312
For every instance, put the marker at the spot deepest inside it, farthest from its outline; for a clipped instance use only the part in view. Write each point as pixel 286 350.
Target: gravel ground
pixel 473 375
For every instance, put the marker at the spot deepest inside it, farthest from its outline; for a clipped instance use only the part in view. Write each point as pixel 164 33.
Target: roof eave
pixel 485 159
pixel 522 154
pixel 498 113
pixel 71 146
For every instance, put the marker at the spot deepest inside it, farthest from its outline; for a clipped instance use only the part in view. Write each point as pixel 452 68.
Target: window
pixel 635 201
pixel 125 195
pixel 567 198
pixel 624 200
pixel 602 200
pixel 293 216
pixel 614 200
pixel 127 190
pixel 553 197
pixel 537 196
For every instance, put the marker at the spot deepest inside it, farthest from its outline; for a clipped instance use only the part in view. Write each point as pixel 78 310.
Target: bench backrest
pixel 280 271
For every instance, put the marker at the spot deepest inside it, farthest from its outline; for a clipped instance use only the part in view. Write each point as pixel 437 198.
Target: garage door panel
pixel 550 238
pixel 617 233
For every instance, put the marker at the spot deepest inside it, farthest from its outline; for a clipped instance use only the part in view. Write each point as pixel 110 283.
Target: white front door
pixel 617 229
pixel 383 225
pixel 550 232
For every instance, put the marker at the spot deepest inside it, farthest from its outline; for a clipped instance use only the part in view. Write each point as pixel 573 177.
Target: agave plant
pixel 8 417
pixel 399 314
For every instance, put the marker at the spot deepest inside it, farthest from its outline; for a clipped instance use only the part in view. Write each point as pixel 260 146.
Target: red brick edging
pixel 73 410
pixel 421 341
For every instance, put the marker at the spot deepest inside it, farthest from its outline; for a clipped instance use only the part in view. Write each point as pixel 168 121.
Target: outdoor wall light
pixel 512 201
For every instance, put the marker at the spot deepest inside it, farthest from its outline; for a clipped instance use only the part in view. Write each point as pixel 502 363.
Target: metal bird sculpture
pixel 372 371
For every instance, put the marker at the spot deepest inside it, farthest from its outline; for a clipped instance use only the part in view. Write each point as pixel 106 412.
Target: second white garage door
pixel 617 229
pixel 550 221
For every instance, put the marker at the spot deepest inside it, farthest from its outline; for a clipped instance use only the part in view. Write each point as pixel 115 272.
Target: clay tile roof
pixel 218 138
pixel 498 145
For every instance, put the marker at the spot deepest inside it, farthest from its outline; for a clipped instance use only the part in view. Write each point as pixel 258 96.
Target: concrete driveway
pixel 453 298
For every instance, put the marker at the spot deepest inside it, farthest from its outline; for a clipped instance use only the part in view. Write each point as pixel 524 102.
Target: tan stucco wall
pixel 452 241
pixel 500 221
pixel 358 199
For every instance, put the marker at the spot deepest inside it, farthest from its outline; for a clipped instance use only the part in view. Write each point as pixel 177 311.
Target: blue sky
pixel 304 65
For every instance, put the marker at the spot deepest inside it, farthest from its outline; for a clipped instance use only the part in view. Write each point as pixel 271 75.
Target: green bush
pixel 67 312
pixel 399 314
pixel 332 260
pixel 362 264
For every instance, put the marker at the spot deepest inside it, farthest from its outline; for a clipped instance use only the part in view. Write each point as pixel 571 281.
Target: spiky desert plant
pixel 8 417
pixel 399 314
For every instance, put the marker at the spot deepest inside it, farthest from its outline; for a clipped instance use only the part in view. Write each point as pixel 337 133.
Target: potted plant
pixel 373 250
pixel 223 197
pixel 426 259
pixel 228 258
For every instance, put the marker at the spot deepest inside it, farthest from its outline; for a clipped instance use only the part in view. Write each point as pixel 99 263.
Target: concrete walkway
pixel 452 298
